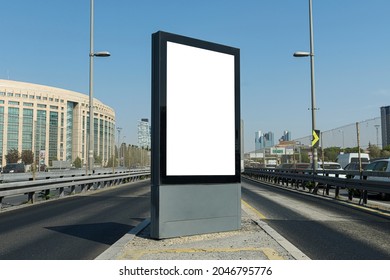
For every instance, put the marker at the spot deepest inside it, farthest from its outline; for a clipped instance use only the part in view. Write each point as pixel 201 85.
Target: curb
pixel 116 249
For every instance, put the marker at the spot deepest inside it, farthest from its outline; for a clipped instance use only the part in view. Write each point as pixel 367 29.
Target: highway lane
pixel 322 229
pixel 78 227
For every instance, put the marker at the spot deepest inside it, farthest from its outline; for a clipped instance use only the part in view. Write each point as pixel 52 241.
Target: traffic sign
pixel 316 139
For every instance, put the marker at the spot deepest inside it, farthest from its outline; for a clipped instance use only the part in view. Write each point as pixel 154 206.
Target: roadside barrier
pixel 327 179
pixel 85 183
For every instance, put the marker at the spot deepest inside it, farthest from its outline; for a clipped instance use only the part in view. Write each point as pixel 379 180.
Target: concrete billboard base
pixel 195 209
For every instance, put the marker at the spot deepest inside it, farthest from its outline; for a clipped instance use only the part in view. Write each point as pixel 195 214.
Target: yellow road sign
pixel 316 139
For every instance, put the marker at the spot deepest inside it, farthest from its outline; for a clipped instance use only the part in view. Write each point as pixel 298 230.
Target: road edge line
pixel 287 245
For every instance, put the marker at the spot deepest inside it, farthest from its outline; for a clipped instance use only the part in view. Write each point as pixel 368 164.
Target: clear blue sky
pixel 47 42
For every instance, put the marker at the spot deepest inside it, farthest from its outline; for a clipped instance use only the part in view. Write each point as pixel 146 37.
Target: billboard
pixel 197 89
pixel 196 139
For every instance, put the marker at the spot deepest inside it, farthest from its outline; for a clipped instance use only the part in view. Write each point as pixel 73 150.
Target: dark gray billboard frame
pixel 185 202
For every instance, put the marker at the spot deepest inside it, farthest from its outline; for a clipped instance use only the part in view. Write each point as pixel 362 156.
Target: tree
pixel 27 157
pixel 111 161
pixel 97 159
pixel 77 162
pixel 374 151
pixel 331 153
pixel 13 156
pixel 385 153
pixel 353 150
pixel 387 148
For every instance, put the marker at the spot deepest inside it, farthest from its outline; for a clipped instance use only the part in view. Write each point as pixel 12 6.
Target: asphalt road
pixel 73 228
pixel 82 227
pixel 322 229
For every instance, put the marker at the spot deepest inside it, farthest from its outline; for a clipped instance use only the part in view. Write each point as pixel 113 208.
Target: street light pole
pixel 313 95
pixel 92 54
pixel 312 82
pixel 91 113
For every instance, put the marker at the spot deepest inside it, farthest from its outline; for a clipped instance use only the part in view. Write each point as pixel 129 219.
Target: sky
pixel 47 42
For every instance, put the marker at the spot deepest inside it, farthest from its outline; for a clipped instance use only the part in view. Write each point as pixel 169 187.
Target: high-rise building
pixel 259 142
pixel 286 136
pixel 265 140
pixel 269 139
pixel 385 121
pixel 144 134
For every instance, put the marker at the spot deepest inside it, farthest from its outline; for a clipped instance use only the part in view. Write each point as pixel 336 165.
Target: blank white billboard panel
pixel 200 131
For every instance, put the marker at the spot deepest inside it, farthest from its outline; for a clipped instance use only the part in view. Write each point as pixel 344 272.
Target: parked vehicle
pixel 345 159
pixel 14 168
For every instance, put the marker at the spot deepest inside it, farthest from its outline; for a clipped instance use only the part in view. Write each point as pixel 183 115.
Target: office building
pixel 53 123
pixel 269 139
pixel 258 140
pixel 286 136
pixel 265 140
pixel 385 123
pixel 144 134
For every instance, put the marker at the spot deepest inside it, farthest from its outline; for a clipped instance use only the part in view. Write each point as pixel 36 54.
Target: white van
pixel 344 159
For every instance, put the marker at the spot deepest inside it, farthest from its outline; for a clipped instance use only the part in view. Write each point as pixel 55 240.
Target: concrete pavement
pixel 256 240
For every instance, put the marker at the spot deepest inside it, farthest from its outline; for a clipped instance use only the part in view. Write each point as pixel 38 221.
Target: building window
pixel 27 130
pixel 1 134
pixel 13 128
pixel 53 136
pixel 69 130
pixel 13 103
pixel 40 136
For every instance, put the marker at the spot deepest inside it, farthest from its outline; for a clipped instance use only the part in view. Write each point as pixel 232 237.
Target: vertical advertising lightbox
pixel 195 117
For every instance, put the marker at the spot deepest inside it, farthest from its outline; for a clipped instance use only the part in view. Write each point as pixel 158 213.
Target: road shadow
pixel 105 233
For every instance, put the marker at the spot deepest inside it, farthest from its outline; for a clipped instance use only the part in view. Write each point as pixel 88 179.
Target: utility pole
pixel 119 137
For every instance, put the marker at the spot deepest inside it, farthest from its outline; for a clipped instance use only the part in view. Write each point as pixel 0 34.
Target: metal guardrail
pixel 327 178
pixel 51 174
pixel 95 181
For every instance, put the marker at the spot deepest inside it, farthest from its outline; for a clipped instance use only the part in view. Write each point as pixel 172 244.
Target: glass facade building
pixel 144 134
pixel 385 122
pixel 265 140
pixel 53 123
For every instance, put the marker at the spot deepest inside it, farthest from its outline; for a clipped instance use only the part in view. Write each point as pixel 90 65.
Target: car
pixel 14 168
pixel 355 166
pixel 380 165
pixel 330 166
pixel 294 166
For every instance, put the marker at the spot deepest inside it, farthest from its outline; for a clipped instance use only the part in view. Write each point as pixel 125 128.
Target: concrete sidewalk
pixel 254 241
